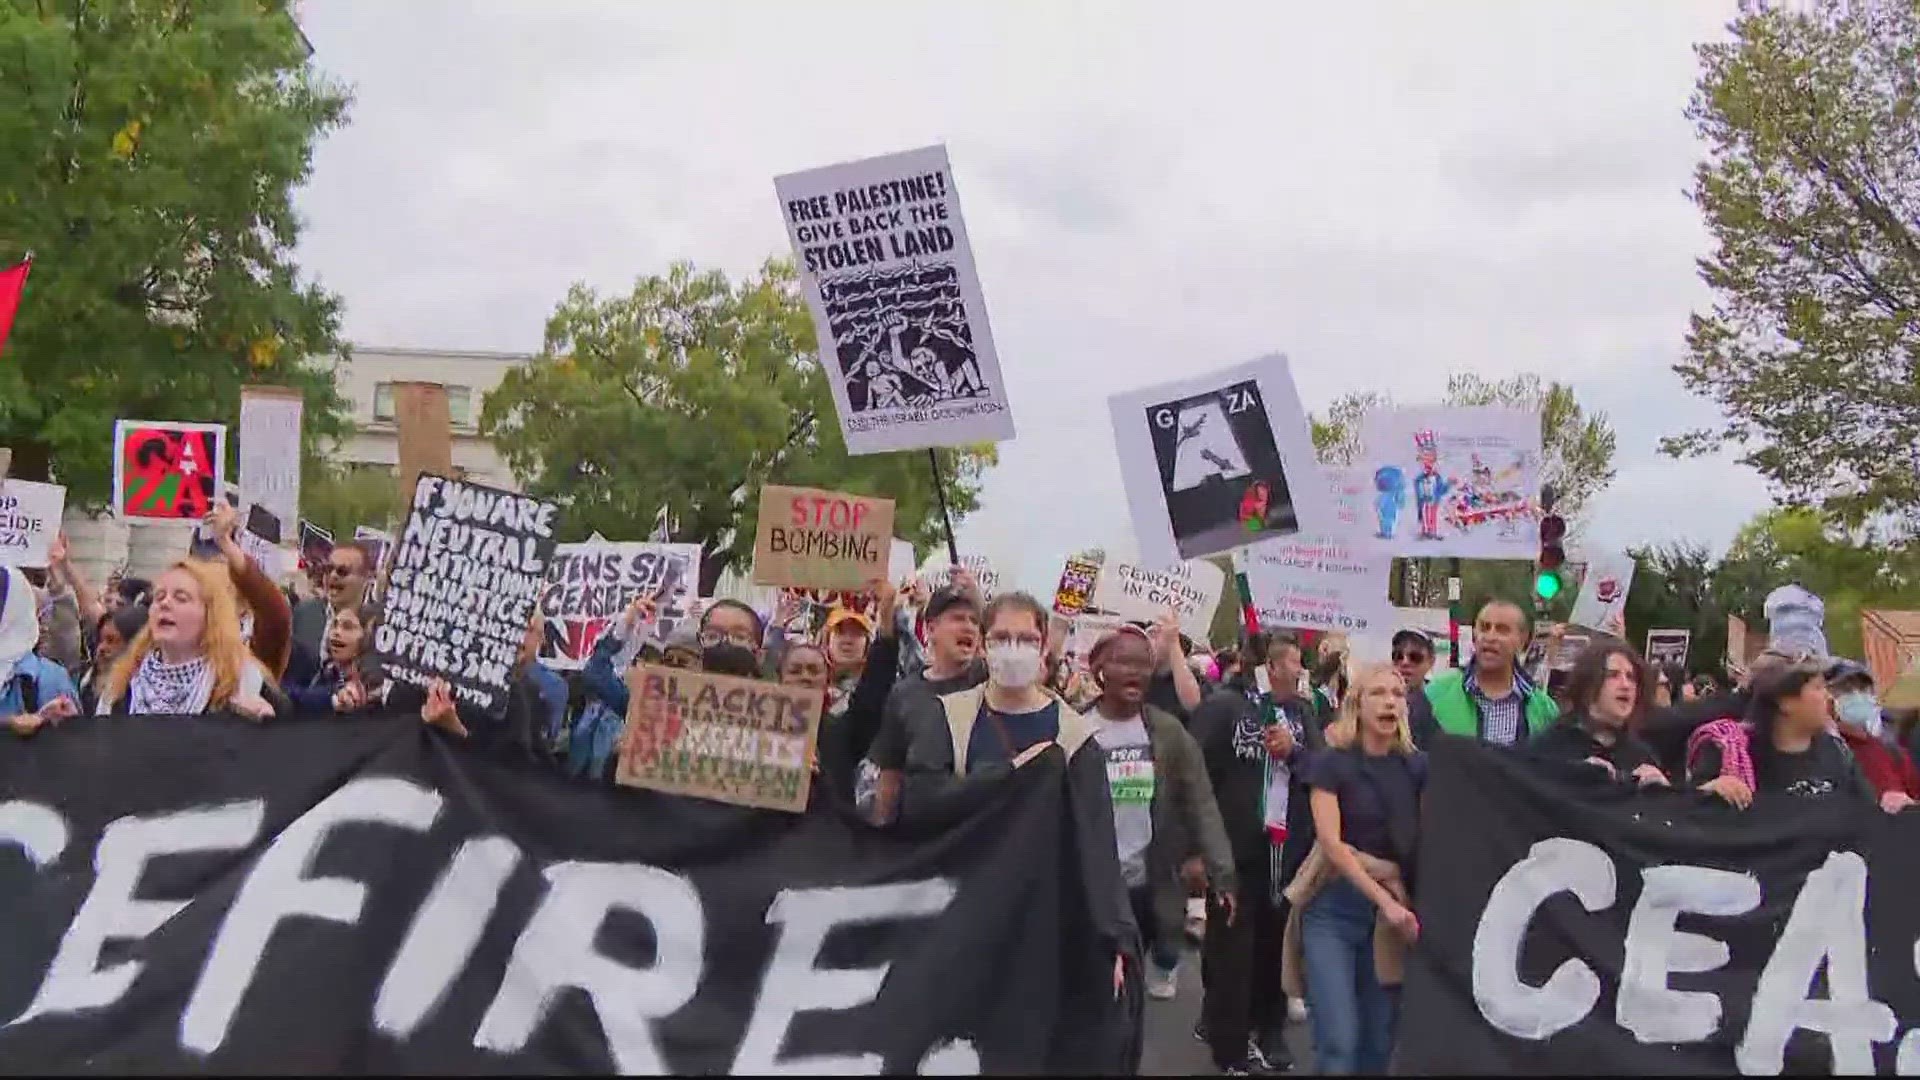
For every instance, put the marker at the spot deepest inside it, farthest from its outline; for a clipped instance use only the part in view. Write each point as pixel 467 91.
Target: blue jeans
pixel 1351 1013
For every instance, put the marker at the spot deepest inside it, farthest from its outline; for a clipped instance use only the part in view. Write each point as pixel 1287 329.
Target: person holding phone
pixel 347 681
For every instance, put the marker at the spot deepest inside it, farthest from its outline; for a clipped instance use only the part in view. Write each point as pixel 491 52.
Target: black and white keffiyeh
pixel 162 689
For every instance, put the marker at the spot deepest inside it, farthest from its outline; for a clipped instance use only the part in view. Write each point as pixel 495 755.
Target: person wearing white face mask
pixel 1883 762
pixel 963 746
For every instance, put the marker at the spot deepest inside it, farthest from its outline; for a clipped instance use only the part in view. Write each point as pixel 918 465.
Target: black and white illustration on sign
pixel 464 587
pixel 1218 462
pixel 889 277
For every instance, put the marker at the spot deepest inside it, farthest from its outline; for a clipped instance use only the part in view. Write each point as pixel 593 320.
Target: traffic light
pixel 1553 530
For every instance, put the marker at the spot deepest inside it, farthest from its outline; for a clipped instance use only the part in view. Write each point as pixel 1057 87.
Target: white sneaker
pixel 1162 985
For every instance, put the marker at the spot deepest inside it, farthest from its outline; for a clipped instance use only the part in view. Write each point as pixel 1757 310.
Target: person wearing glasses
pixel 349 572
pixel 1412 658
pixel 963 746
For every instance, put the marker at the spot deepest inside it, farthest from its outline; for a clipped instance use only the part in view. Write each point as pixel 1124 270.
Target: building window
pixel 460 406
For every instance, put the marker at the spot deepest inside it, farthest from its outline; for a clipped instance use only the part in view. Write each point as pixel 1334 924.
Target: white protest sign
pixel 1312 584
pixel 889 277
pixel 1602 603
pixel 1217 461
pixel 1087 632
pixel 270 448
pixel 1668 648
pixel 1348 488
pixel 29 520
pixel 1375 644
pixel 900 561
pixel 590 585
pixel 1460 482
pixel 937 569
pixel 1138 594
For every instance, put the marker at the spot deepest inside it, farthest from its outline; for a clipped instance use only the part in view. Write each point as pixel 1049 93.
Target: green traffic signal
pixel 1546 584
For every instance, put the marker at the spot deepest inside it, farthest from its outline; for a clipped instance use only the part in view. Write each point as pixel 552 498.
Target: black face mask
pixel 727 658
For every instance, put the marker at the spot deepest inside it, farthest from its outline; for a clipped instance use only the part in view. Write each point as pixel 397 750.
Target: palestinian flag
pixel 13 282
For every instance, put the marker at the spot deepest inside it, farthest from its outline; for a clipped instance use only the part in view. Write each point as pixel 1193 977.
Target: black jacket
pixel 1667 730
pixel 1568 742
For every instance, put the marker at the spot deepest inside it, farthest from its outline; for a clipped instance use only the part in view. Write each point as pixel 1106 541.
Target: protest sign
pixel 900 561
pixel 190 896
pixel 461 593
pixel 270 448
pixel 1602 603
pixel 1138 594
pixel 740 741
pixel 1086 632
pixel 1668 648
pixel 166 470
pixel 1375 644
pixel 888 275
pixel 316 543
pixel 1549 944
pixel 1316 584
pixel 1217 461
pixel 1348 489
pixel 1076 586
pixel 379 540
pixel 937 571
pixel 1469 476
pixel 29 520
pixel 590 586
pixel 829 539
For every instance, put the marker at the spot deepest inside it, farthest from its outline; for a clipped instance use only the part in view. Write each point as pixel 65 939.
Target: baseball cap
pixel 944 600
pixel 841 615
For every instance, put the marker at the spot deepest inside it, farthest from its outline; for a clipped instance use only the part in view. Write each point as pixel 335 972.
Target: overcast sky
pixel 1386 192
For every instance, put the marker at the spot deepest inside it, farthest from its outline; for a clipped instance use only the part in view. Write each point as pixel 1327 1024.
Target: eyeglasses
pixel 711 638
pixel 1410 657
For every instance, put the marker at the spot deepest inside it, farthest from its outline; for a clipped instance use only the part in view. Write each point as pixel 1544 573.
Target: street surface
pixel 1171 1049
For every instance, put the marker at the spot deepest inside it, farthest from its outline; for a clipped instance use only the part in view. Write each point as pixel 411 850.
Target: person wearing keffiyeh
pixel 190 658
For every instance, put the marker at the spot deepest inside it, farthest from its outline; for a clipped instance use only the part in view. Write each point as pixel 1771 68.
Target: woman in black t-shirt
pixel 1366 788
pixel 1789 748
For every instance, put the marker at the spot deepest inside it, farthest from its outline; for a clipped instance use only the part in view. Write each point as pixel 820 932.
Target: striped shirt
pixel 1502 722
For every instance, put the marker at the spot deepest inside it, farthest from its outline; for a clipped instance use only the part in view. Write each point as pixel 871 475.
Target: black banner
pixel 204 895
pixel 1574 926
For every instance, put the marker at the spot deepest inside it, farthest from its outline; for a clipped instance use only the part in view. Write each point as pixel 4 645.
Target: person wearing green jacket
pixel 1492 700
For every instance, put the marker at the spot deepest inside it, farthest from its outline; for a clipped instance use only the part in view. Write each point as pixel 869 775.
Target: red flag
pixel 13 281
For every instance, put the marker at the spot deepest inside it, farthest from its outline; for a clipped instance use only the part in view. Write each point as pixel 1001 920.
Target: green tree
pixel 340 499
pixel 691 392
pixel 1674 589
pixel 151 151
pixel 1847 568
pixel 1811 189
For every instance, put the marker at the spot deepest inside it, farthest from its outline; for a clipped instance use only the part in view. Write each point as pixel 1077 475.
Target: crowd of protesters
pixel 1275 791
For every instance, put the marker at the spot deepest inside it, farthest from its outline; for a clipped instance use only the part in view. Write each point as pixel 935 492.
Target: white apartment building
pixel 366 381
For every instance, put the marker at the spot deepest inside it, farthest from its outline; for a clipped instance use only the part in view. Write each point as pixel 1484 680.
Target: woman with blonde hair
pixel 1352 899
pixel 190 658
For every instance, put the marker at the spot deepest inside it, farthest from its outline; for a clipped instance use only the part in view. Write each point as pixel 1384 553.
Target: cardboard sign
pixel 827 539
pixel 900 561
pixel 466 576
pixel 269 452
pixel 29 520
pixel 167 470
pixel 1668 648
pixel 1460 482
pixel 739 741
pixel 889 278
pixel 1076 586
pixel 316 543
pixel 1311 584
pixel 937 570
pixel 1138 594
pixel 1217 461
pixel 592 584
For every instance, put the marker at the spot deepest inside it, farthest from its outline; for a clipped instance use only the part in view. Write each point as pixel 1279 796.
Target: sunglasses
pixel 1415 657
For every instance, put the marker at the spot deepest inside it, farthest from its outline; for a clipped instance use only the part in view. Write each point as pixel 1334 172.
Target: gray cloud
pixel 1388 193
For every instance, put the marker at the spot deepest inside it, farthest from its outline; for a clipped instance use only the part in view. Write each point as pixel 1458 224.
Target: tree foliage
pixel 691 392
pixel 1811 189
pixel 1847 568
pixel 151 148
